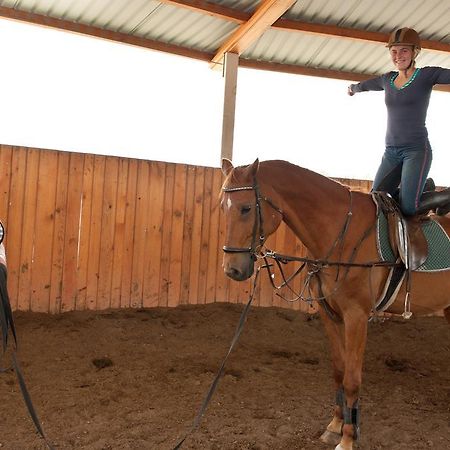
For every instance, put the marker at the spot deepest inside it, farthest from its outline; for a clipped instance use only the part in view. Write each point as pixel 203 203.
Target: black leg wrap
pixel 351 417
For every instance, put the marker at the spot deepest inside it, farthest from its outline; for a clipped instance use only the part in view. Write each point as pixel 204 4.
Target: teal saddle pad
pixel 438 245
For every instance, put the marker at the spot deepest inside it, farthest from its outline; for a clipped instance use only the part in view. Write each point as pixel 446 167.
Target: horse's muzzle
pixel 239 272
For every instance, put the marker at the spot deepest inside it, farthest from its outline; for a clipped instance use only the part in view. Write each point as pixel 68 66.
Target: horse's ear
pixel 227 166
pixel 254 167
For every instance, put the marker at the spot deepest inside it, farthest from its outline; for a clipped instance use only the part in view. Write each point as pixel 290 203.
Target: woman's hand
pixel 349 91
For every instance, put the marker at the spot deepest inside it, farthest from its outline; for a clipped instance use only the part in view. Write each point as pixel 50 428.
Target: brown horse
pixel 335 224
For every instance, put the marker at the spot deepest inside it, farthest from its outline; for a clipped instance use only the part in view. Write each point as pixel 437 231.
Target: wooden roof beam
pixel 211 9
pixel 315 72
pixel 75 27
pixel 240 17
pixel 263 17
pixel 349 33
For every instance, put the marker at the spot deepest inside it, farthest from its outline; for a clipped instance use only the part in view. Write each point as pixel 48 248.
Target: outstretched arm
pixel 442 76
pixel 374 84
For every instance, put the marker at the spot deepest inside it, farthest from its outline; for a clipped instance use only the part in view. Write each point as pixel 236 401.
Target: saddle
pixel 405 233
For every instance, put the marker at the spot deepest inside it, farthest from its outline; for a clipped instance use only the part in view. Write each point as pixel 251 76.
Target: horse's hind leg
pixel 333 433
pixel 447 313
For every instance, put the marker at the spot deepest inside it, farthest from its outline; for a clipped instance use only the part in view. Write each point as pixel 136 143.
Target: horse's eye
pixel 245 209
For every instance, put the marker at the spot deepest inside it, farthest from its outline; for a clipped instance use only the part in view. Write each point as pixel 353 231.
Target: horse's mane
pixel 269 168
pixel 301 171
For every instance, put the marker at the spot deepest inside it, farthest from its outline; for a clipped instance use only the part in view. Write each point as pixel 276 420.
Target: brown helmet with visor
pixel 404 36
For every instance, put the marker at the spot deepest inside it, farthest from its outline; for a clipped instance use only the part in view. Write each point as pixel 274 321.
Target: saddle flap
pixel 411 241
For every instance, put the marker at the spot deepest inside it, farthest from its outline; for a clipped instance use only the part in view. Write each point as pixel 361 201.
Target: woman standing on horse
pixel 407 158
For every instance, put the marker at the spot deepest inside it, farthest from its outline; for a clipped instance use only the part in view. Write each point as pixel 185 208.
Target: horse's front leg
pixel 335 333
pixel 355 344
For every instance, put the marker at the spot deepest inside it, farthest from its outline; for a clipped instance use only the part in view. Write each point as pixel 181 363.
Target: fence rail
pixel 96 232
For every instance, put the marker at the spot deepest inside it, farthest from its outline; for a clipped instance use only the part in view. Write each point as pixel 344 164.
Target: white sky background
pixel 68 92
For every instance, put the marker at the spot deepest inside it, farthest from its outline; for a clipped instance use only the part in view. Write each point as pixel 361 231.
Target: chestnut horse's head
pixel 250 217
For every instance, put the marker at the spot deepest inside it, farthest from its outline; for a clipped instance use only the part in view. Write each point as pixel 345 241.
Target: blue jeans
pixel 406 167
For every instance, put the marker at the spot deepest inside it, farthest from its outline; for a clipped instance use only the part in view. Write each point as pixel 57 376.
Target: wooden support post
pixel 231 62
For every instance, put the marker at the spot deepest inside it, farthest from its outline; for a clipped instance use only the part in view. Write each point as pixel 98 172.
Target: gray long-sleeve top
pixel 406 106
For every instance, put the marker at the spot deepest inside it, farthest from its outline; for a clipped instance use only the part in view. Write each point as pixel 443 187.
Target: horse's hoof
pixel 330 437
pixel 339 447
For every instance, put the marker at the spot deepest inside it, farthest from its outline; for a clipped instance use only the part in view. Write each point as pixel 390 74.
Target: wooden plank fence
pixel 96 232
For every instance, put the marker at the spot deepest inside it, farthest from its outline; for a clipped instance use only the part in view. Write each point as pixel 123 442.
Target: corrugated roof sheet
pixel 174 24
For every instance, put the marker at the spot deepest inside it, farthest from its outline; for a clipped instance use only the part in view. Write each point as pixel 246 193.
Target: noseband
pixel 257 242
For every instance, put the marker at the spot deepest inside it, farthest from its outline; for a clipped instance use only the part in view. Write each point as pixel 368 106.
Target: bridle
pixel 257 241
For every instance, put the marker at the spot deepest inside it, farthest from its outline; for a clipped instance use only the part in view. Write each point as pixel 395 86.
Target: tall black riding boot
pixel 434 199
pixel 443 210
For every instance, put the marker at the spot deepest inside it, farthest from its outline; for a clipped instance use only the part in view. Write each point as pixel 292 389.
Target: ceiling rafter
pixel 76 27
pixel 240 17
pixel 316 72
pixel 212 9
pixel 264 16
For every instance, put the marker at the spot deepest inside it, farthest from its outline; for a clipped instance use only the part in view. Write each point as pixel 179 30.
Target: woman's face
pixel 401 56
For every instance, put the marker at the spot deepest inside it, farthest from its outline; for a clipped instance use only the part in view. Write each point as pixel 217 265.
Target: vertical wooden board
pixel 233 291
pixel 166 235
pixel 278 246
pixel 5 180
pixel 119 232
pixel 197 224
pixel 299 282
pixel 222 281
pixel 15 219
pixel 70 265
pixel 28 229
pixel 107 235
pixel 206 224
pixel 57 244
pixel 85 231
pixel 140 235
pixel 146 256
pixel 245 289
pixel 154 239
pixel 176 241
pixel 95 232
pixel 213 240
pixel 130 217
pixel 289 249
pixel 266 293
pixel 187 234
pixel 44 227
